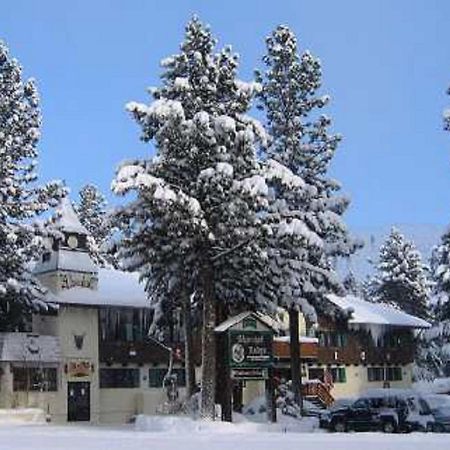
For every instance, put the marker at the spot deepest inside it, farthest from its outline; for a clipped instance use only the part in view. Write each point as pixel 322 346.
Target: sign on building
pixel 248 346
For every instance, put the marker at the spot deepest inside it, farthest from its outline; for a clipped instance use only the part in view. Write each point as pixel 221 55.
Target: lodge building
pixel 89 357
pixel 374 347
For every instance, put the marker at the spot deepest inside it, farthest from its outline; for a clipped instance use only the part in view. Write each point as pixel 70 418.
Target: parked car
pixel 388 410
pixel 439 405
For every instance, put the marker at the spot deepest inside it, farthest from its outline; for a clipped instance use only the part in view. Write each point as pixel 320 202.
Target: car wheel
pixel 388 427
pixel 339 426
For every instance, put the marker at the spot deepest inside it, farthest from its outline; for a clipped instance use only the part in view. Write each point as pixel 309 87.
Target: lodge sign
pixel 254 373
pixel 250 348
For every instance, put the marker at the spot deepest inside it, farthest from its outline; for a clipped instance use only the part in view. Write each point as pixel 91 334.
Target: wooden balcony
pixel 308 350
pixel 361 354
pixel 137 352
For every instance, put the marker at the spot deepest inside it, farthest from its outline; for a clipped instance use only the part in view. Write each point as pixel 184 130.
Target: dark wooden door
pixel 78 401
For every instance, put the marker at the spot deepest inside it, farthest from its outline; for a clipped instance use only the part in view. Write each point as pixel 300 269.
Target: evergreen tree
pixel 195 214
pixel 434 351
pixel 352 285
pixel 401 278
pixel 447 116
pixel 440 271
pixel 305 210
pixel 92 212
pixel 21 199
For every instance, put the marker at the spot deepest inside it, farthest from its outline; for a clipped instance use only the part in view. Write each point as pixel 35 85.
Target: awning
pixel 29 347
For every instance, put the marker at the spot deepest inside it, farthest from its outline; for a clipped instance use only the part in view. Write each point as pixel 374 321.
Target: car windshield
pixel 361 403
pixel 438 401
pixel 443 411
pixel 341 403
pixel 424 407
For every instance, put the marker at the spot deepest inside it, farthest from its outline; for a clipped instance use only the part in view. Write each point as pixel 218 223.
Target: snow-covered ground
pixel 216 436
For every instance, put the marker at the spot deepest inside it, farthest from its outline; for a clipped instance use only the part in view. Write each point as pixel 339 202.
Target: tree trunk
pixel 189 362
pixel 223 377
pixel 270 398
pixel 208 347
pixel 295 357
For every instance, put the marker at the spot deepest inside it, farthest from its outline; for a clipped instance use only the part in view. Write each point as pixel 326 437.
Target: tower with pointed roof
pixel 66 262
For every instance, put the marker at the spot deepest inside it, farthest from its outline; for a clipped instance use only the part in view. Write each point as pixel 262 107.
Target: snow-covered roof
pixel 224 326
pixel 115 288
pixel 27 347
pixel 301 339
pixel 363 312
pixel 67 218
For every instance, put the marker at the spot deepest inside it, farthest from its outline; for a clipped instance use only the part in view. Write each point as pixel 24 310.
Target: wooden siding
pixel 307 350
pixel 144 352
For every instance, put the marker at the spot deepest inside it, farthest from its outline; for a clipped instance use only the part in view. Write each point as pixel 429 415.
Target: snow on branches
pixel 401 277
pixel 21 198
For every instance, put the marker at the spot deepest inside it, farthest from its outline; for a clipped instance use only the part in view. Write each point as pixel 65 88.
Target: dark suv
pixel 388 410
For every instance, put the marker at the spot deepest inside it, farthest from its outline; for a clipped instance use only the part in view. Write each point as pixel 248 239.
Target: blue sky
pixel 386 65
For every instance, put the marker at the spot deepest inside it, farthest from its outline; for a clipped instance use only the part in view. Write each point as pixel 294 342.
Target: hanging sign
pixel 250 348
pixel 79 369
pixel 253 373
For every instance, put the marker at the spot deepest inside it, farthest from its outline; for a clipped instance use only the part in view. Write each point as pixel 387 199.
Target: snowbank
pixel 180 424
pixel 437 386
pixel 22 416
pixel 185 425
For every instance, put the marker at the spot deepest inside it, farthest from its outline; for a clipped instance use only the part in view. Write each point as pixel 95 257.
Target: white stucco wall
pixel 357 381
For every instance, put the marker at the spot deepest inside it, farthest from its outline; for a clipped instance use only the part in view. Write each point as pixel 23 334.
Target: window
pixel 393 373
pixel 316 374
pixel 119 378
pixel 338 374
pixel 384 374
pixel 156 377
pixel 375 373
pixel 35 379
pixel 124 324
pixel 332 339
pixel 46 256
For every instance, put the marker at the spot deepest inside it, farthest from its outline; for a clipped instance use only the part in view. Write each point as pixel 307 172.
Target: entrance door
pixel 78 401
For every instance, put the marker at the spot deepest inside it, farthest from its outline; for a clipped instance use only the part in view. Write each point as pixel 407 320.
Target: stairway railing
pixel 318 389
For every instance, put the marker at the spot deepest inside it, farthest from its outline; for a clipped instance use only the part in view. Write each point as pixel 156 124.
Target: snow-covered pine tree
pixel 21 200
pixel 434 346
pixel 447 115
pixel 195 213
pixel 401 277
pixel 440 273
pixel 352 285
pixel 433 358
pixel 434 355
pixel 93 214
pixel 301 142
